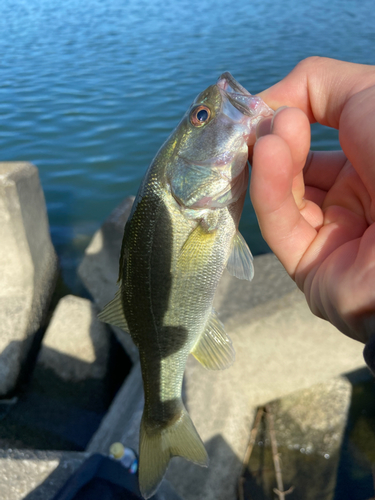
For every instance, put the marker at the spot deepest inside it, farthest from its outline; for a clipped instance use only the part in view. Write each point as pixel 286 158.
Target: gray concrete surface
pixel 121 424
pixel 35 475
pixel 309 430
pixel 280 348
pixel 39 475
pixel 100 265
pixel 28 266
pixel 76 344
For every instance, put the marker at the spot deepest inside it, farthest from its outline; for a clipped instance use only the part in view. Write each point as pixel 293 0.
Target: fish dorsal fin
pixel 113 312
pixel 240 262
pixel 214 349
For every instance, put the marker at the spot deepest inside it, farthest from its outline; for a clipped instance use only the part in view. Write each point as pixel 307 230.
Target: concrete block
pixel 39 475
pixel 28 266
pixel 271 285
pixel 121 424
pixel 76 343
pixel 309 430
pixel 280 348
pixel 36 475
pixel 99 267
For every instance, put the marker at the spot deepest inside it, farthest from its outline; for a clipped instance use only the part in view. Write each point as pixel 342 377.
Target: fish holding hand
pixel 180 236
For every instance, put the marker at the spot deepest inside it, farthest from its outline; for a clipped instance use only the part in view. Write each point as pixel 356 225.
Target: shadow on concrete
pixel 356 471
pixel 191 482
pixel 216 482
pixel 53 413
pixel 220 480
pixel 69 462
pixel 98 477
pixel 348 471
pixel 31 345
pixel 309 475
pixel 185 480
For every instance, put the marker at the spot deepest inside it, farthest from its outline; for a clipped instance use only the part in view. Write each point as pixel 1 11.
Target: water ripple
pixel 90 90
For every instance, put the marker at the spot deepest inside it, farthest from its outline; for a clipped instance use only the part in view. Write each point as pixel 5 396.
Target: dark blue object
pixel 202 115
pixel 101 478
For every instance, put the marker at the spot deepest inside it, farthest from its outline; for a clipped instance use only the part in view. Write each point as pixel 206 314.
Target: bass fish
pixel 181 234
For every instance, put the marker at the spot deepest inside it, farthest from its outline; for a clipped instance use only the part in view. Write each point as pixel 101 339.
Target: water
pixel 90 90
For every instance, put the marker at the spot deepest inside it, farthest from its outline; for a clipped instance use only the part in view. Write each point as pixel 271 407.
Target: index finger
pixel 320 87
pixel 340 95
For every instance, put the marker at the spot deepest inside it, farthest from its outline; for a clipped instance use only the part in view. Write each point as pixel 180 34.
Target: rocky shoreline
pixel 284 353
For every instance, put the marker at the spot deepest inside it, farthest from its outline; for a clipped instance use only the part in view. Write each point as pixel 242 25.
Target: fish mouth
pixel 228 83
pixel 238 96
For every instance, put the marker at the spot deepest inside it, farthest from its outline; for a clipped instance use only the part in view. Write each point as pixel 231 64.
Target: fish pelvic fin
pixel 113 312
pixel 158 446
pixel 240 262
pixel 214 349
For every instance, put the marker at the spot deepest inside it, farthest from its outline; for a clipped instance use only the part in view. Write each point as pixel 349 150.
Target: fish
pixel 181 234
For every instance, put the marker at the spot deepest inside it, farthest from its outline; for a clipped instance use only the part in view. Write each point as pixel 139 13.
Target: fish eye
pixel 200 116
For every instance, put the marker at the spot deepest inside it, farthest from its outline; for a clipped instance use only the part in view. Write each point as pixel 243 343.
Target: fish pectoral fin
pixel 113 313
pixel 157 447
pixel 196 247
pixel 240 262
pixel 214 349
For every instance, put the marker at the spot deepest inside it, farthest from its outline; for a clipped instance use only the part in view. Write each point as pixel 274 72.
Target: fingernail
pixel 275 113
pixel 264 127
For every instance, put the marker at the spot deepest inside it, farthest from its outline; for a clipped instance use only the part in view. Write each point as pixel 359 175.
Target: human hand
pixel 316 210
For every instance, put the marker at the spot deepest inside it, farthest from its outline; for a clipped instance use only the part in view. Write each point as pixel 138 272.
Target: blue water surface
pixel 90 90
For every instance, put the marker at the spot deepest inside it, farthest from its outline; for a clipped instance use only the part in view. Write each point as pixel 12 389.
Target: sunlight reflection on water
pixel 90 90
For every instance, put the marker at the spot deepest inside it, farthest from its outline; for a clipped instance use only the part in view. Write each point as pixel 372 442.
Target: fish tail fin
pixel 157 447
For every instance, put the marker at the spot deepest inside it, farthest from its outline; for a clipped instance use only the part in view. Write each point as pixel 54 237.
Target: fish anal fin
pixel 240 262
pixel 158 446
pixel 214 350
pixel 113 313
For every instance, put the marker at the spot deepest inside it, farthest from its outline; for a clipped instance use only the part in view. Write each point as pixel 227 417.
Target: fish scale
pixel 181 234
